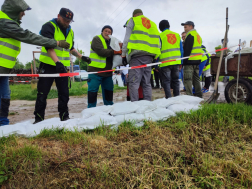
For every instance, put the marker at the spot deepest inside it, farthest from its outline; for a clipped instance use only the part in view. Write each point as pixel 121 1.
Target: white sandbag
pixel 124 108
pixel 183 107
pixel 150 116
pixel 163 113
pixel 114 43
pixel 188 99
pixel 145 106
pixel 117 61
pixel 97 120
pixel 114 79
pixel 93 111
pixel 164 103
pixel 119 80
pixel 18 129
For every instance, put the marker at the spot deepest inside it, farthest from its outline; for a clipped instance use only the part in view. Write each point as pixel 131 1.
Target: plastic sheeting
pixel 136 112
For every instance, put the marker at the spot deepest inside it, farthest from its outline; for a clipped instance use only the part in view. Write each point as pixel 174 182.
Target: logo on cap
pixel 171 38
pixel 146 23
pixel 69 15
pixel 198 39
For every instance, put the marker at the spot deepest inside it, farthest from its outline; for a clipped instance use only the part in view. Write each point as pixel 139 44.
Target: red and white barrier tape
pixel 12 81
pixel 87 73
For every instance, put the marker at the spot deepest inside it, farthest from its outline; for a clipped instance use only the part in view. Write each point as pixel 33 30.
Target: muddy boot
pixel 64 116
pixel 4 112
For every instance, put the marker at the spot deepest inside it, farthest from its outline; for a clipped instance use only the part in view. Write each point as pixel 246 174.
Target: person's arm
pixel 188 46
pixel 13 30
pixel 97 46
pixel 76 53
pixel 129 30
pixel 53 55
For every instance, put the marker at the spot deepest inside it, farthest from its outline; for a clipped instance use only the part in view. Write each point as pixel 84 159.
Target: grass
pixel 24 91
pixel 209 148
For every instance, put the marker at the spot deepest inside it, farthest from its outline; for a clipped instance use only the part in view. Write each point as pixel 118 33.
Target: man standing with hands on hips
pixel 55 60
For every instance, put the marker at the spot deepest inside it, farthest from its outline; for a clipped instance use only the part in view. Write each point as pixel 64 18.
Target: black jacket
pixel 188 45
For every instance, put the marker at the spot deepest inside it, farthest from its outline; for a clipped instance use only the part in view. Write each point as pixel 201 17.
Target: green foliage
pixel 28 64
pixel 18 65
pixel 83 64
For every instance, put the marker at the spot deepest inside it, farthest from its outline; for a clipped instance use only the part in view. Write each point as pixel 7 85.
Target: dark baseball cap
pixel 66 13
pixel 188 23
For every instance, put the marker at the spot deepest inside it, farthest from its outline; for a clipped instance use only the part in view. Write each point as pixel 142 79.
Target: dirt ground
pixel 21 110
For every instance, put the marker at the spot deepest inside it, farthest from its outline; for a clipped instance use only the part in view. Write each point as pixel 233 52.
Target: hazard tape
pixel 19 81
pixel 127 68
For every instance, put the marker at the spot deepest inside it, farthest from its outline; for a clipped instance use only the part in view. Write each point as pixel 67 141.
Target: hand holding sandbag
pixel 60 68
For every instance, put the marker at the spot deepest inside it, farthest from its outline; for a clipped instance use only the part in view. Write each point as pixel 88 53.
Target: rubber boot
pixel 4 111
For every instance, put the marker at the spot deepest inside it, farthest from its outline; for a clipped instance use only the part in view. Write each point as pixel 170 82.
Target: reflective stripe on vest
pixel 62 54
pixel 207 67
pixel 145 36
pixel 196 45
pixel 170 48
pixel 98 61
pixel 9 48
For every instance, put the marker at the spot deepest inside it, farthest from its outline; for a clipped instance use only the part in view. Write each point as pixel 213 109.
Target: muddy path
pixel 21 110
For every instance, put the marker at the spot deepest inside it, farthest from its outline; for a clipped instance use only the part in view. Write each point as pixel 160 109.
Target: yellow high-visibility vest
pixel 196 45
pixel 98 61
pixel 9 48
pixel 62 54
pixel 170 48
pixel 145 36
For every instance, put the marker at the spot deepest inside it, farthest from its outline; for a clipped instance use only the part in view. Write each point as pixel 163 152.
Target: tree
pixel 83 64
pixel 18 65
pixel 217 48
pixel 28 64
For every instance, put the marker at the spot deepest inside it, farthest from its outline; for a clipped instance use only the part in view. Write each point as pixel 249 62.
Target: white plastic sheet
pixel 135 112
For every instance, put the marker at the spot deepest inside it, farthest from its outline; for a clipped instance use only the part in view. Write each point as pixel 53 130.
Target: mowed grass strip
pixel 208 148
pixel 24 91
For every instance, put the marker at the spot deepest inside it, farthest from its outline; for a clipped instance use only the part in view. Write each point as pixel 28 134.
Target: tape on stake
pixel 127 68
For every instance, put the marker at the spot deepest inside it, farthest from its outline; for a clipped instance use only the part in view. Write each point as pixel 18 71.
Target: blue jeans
pixel 4 95
pixel 123 79
pixel 94 82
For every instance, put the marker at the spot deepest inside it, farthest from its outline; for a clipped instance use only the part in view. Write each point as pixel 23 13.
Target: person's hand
pixel 60 68
pixel 64 44
pixel 124 60
pixel 86 59
pixel 118 52
pixel 156 70
pixel 120 44
pixel 127 75
pixel 204 67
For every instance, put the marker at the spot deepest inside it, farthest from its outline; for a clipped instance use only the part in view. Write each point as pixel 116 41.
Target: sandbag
pixel 188 99
pixel 93 111
pixel 124 108
pixel 184 107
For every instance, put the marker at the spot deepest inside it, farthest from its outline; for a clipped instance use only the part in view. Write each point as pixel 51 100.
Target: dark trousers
pixel 106 83
pixel 44 86
pixel 170 79
pixel 151 81
pixel 157 78
pixel 207 82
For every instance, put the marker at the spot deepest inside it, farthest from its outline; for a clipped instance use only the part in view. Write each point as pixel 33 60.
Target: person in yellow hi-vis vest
pixel 142 44
pixel 101 55
pixel 55 60
pixel 192 46
pixel 11 36
pixel 171 48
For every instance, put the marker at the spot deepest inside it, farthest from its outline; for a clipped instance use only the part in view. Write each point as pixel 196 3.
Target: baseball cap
pixel 66 13
pixel 29 8
pixel 188 23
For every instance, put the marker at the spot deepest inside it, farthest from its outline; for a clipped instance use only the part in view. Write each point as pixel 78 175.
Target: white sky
pixel 90 16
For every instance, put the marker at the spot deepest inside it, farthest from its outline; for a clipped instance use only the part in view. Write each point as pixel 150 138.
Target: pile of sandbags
pixel 136 112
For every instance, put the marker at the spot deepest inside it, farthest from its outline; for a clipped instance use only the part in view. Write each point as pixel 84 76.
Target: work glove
pixel 64 44
pixel 124 61
pixel 86 59
pixel 60 68
pixel 118 52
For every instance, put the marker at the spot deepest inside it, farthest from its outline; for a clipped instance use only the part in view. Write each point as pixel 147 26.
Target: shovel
pixel 216 94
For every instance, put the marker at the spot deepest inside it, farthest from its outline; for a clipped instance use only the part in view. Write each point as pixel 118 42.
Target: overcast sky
pixel 90 16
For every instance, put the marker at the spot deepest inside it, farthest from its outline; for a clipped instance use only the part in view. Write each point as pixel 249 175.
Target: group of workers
pixel 143 44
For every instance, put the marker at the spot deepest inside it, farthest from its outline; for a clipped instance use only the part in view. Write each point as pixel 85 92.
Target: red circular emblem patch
pixel 171 38
pixel 146 22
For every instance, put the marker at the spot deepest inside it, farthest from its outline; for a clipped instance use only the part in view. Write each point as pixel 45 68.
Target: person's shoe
pixel 202 90
pixel 206 91
pixel 65 118
pixel 37 121
pixel 155 87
